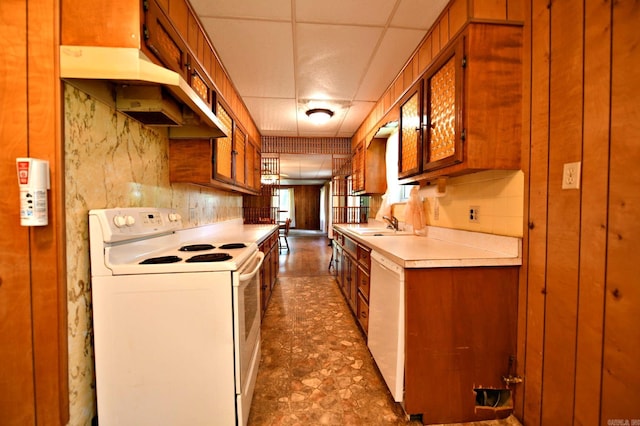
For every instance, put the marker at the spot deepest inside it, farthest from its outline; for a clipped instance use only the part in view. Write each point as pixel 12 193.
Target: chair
pixel 283 232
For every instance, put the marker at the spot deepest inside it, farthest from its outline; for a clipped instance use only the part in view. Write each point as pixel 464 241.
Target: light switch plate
pixel 571 175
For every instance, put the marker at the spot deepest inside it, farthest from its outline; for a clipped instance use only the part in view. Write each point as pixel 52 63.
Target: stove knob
pixel 119 221
pixel 130 220
pixel 174 217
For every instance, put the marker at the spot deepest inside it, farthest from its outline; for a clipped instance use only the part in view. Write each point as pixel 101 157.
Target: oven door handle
pixel 249 275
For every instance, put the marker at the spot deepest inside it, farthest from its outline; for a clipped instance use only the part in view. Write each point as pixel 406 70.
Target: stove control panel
pixel 120 224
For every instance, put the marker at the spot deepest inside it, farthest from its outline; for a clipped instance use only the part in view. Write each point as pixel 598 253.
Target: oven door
pixel 246 318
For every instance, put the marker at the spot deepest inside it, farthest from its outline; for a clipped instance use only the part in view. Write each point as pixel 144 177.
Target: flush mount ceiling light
pixel 319 115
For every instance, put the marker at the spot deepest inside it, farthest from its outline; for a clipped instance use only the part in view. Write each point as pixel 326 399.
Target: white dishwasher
pixel 386 321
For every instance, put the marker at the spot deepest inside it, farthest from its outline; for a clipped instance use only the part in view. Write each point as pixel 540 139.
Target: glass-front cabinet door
pixel 223 149
pixel 239 156
pixel 410 146
pixel 443 99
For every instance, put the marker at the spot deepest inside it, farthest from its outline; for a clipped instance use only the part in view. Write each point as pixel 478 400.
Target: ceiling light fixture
pixel 319 115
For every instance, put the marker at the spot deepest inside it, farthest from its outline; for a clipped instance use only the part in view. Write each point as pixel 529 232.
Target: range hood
pixel 145 91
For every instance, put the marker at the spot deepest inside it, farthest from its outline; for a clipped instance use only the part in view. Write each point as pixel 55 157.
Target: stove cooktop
pixel 196 256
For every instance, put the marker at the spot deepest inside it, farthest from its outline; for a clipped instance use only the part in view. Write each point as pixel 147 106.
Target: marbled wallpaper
pixel 113 161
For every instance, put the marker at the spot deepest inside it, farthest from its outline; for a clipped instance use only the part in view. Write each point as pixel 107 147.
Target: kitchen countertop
pixel 441 247
pixel 230 231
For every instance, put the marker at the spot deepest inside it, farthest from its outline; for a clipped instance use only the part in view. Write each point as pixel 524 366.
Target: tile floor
pixel 315 367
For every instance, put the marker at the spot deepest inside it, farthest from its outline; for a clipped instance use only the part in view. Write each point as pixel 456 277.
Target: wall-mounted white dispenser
pixel 33 179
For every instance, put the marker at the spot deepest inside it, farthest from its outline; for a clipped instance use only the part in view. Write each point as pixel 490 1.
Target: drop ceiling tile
pixel 395 49
pixel 354 117
pixel 358 12
pixel 331 59
pixel 273 115
pixel 258 55
pixel 406 16
pixel 272 9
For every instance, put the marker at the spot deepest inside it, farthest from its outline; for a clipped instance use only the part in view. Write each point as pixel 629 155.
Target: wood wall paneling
pixel 621 369
pixel 588 51
pixel 47 243
pixel 33 328
pixel 563 237
pixel 307 206
pixel 521 347
pixel 537 216
pixel 17 393
pixel 597 77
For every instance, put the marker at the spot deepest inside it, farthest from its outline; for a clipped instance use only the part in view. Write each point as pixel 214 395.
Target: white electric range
pixel 176 319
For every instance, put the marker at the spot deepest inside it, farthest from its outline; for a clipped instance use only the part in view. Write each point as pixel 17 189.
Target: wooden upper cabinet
pixel 410 144
pixel 369 168
pixel 469 117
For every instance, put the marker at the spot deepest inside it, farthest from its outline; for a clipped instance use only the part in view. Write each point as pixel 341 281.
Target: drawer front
pixel 364 257
pixel 364 282
pixel 363 313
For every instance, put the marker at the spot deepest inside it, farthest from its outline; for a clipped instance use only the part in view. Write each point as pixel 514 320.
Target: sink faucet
pixel 392 221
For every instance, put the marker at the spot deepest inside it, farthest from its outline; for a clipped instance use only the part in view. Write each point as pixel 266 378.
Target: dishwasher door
pixel 386 321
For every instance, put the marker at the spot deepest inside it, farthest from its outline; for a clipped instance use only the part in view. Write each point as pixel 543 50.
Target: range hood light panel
pixel 149 105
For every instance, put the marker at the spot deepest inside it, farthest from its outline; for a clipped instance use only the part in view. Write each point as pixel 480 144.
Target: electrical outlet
pixel 474 214
pixel 571 176
pixel 436 210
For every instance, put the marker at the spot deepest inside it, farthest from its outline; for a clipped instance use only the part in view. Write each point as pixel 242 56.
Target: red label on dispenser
pixel 23 172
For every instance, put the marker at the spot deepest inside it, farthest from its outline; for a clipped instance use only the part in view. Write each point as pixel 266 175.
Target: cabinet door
pixel 199 83
pixel 163 40
pixel 251 150
pixel 443 109
pixel 339 265
pixel 358 168
pixel 223 149
pixel 239 156
pixel 351 290
pixel 410 146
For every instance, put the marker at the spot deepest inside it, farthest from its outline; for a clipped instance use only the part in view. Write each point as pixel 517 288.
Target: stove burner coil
pixel 161 259
pixel 233 246
pixel 209 257
pixel 196 247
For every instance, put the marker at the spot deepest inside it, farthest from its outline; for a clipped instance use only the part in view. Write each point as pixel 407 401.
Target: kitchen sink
pixel 370 232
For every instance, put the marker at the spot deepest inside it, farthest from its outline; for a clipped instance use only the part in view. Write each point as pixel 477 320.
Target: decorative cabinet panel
pixel 444 133
pixel 410 145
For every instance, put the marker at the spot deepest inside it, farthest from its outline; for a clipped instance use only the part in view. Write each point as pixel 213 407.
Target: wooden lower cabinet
pixel 352 263
pixel 460 336
pixel 269 269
